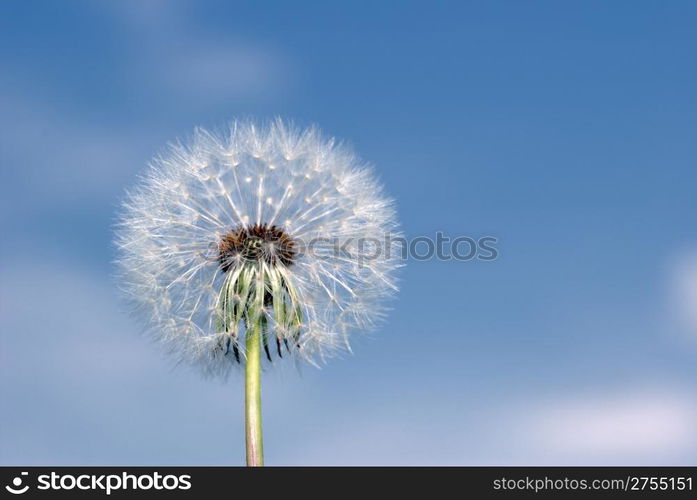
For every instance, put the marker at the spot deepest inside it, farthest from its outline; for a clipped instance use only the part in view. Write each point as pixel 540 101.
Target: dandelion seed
pixel 254 253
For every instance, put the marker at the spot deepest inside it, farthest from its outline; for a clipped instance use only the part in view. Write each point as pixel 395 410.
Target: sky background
pixel 568 130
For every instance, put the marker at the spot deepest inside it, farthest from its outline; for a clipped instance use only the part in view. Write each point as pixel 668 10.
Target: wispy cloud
pixel 594 427
pixel 684 290
pixel 627 426
pixel 52 155
pixel 173 54
pixel 212 70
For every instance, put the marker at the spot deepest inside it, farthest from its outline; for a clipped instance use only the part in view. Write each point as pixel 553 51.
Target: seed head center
pixel 260 242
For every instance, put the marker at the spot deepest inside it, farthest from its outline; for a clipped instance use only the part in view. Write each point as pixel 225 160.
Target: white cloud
pixel 174 55
pixel 650 426
pixel 51 156
pixel 210 70
pixel 684 290
pixel 647 426
pixel 146 13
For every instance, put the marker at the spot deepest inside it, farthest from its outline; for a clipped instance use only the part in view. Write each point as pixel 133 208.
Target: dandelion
pixel 261 238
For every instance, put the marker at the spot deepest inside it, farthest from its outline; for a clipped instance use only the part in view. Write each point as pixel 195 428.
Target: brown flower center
pixel 260 242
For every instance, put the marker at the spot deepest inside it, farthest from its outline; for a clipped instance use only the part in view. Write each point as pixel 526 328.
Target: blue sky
pixel 568 130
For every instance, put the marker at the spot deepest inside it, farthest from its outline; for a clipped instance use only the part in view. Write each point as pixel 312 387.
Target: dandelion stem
pixel 255 444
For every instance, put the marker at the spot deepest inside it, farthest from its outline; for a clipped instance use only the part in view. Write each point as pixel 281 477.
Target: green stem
pixel 252 375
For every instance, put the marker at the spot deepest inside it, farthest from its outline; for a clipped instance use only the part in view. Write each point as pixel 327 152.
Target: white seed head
pixel 267 215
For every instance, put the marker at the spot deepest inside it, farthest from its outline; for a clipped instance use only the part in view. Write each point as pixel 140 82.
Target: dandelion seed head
pixel 272 212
